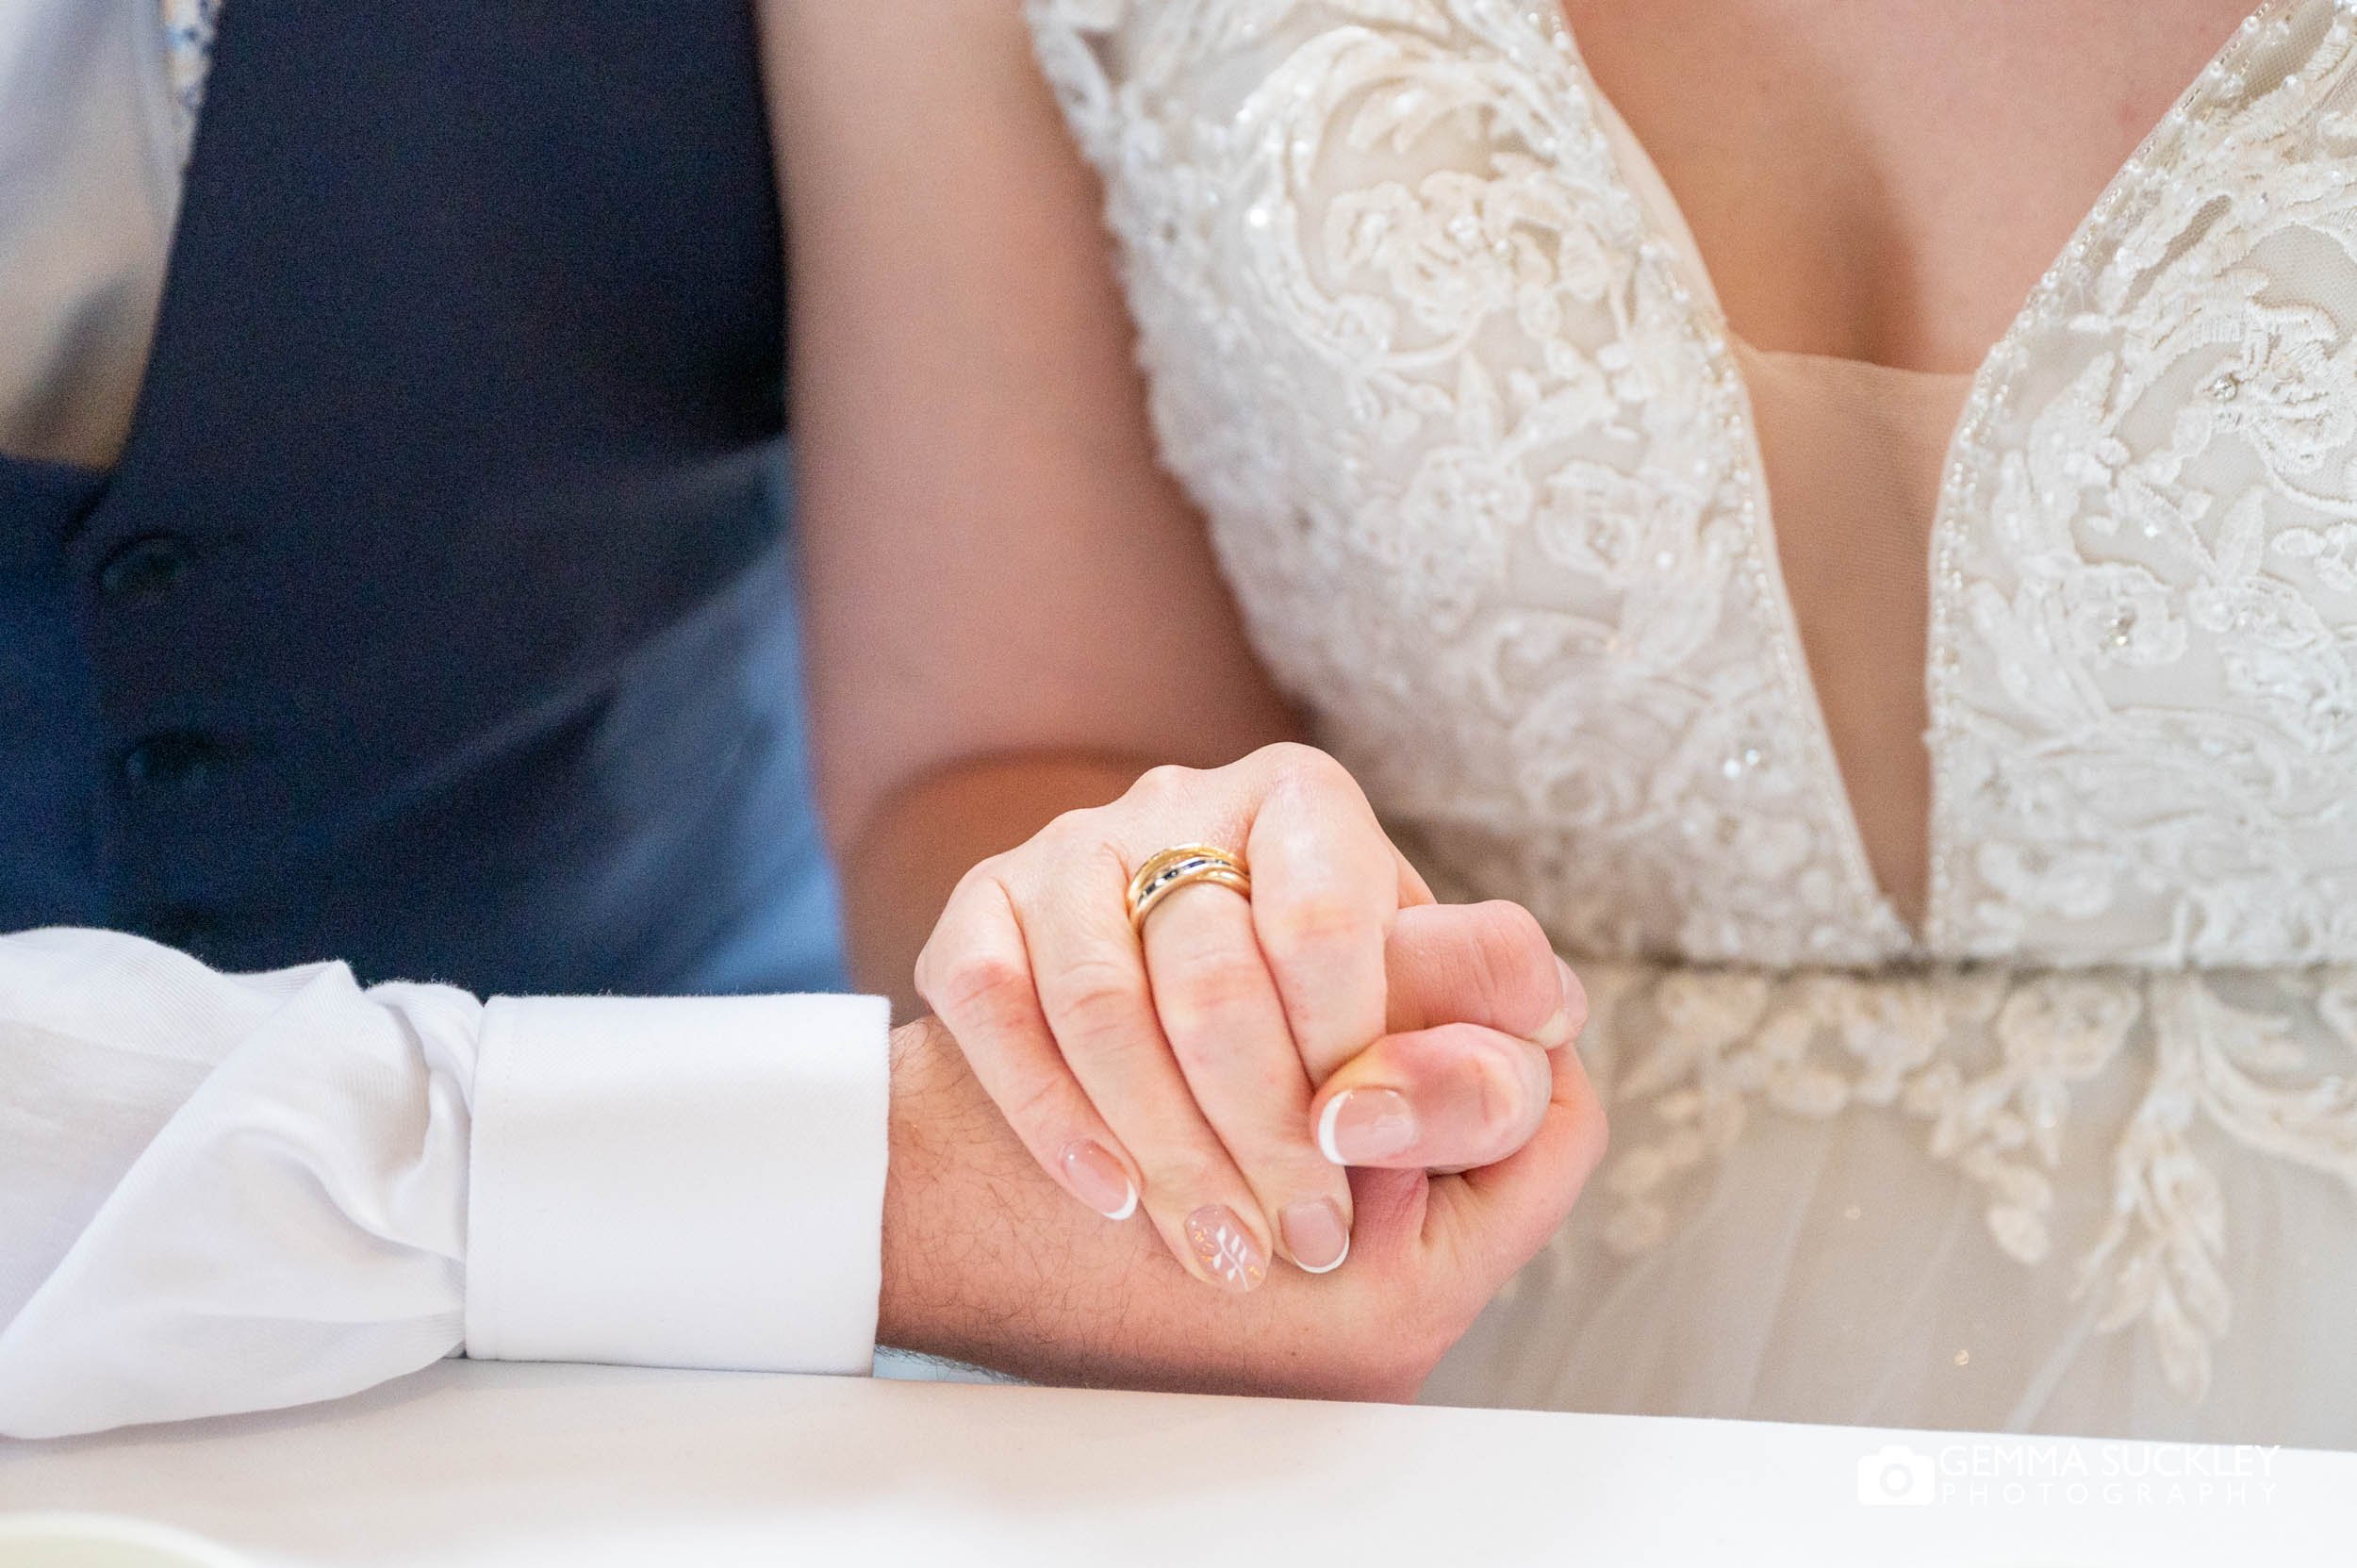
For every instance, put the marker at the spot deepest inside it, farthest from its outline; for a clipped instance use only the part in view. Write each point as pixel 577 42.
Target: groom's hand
pixel 986 1260
pixel 1476 1002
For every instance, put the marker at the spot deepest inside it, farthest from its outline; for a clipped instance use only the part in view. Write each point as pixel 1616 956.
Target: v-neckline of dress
pixel 1641 180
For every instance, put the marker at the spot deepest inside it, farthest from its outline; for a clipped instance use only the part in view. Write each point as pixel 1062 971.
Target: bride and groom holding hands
pixel 1932 756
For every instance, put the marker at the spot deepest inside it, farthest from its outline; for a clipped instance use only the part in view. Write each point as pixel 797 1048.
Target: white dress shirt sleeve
pixel 225 1192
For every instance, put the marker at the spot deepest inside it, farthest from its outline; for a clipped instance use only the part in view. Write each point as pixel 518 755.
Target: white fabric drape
pixel 228 1192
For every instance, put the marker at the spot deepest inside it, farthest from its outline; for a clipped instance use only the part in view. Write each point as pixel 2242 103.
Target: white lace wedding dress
pixel 1435 354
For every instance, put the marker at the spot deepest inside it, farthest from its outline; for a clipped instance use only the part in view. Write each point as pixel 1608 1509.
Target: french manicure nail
pixel 1361 1126
pixel 1229 1255
pixel 1098 1181
pixel 1569 1020
pixel 1315 1235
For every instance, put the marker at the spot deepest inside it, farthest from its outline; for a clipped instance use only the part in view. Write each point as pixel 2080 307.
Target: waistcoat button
pixel 143 569
pixel 177 759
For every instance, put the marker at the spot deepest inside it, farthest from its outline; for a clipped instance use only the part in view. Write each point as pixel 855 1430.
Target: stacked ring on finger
pixel 1182 865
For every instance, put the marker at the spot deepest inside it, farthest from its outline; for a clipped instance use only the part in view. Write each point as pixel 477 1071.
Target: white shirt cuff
pixel 679 1183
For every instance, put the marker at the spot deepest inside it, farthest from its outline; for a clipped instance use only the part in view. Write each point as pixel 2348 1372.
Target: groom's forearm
pixel 986 1260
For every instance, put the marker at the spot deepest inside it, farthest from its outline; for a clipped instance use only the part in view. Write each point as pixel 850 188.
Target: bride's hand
pixel 1198 1071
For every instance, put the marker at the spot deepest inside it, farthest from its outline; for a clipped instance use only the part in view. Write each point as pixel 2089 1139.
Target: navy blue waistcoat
pixel 438 614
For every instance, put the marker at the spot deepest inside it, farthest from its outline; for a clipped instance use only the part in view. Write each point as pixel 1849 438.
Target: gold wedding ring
pixel 1182 865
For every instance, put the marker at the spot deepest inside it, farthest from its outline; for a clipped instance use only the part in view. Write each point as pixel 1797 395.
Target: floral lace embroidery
pixel 1478 466
pixel 1703 1047
pixel 2144 701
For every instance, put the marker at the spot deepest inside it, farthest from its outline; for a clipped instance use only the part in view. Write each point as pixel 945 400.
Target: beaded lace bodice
pixel 1456 396
pixel 1447 378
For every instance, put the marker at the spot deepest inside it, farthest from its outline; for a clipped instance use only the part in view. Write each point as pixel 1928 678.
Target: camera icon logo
pixel 1895 1476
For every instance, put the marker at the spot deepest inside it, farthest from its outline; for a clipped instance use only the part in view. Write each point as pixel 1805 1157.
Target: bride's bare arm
pixel 1013 610
pixel 1014 617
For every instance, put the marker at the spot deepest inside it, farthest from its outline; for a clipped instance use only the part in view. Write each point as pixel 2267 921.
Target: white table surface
pixel 475 1463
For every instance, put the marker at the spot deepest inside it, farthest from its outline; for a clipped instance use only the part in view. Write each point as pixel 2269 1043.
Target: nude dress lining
pixel 1852 454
